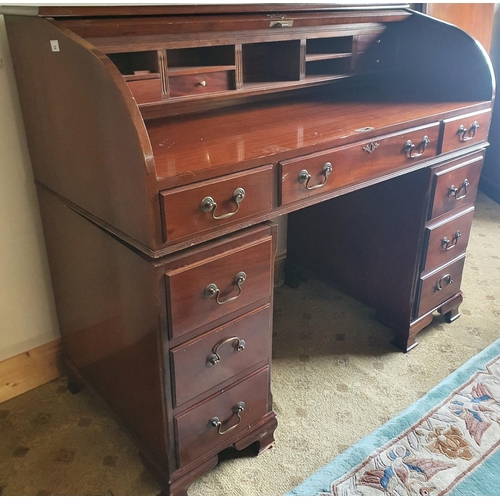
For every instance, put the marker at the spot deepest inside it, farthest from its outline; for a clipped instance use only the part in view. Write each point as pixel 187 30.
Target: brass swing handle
pixel 214 358
pixel 305 176
pixel 215 421
pixel 208 204
pixel 409 147
pixel 454 191
pixel 447 279
pixel 212 289
pixel 447 244
pixel 467 134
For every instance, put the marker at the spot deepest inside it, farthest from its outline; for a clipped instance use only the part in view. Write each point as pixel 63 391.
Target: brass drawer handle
pixel 467 134
pixel 409 147
pixel 203 83
pixel 214 358
pixel 454 191
pixel 447 279
pixel 305 176
pixel 211 289
pixel 215 421
pixel 447 244
pixel 208 204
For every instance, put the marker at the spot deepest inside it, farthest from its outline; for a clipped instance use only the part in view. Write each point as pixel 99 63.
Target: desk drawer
pixel 439 286
pixel 200 83
pixel 466 130
pixel 447 239
pixel 195 432
pixel 329 170
pixel 455 186
pixel 208 290
pixel 208 205
pixel 213 358
pixel 144 91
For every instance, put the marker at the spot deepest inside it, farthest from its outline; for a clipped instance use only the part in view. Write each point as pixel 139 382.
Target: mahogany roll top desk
pixel 164 138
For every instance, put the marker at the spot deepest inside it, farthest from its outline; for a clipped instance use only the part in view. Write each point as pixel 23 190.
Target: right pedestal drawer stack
pixel 451 208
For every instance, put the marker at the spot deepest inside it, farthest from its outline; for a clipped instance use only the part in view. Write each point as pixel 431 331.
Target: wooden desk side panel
pixel 435 62
pixel 85 134
pixel 108 303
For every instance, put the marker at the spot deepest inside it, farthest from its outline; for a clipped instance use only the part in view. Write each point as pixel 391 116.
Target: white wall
pixel 27 312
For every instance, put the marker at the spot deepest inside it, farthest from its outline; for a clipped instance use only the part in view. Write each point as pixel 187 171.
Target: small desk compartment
pixel 141 71
pixel 200 70
pixel 329 56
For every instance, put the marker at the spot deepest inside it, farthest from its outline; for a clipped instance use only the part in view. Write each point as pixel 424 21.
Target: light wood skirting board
pixel 30 369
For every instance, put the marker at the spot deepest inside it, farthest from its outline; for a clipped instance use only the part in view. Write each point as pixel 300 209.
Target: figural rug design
pixel 447 443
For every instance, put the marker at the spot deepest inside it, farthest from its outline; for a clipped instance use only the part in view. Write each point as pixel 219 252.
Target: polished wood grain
pixel 194 433
pixel 188 305
pixel 447 178
pixel 194 374
pixel 239 137
pixel 441 239
pixel 106 149
pixel 454 138
pixel 359 11
pixel 182 210
pixel 126 144
pixel 106 299
pixel 180 23
pixel 439 286
pixel 371 159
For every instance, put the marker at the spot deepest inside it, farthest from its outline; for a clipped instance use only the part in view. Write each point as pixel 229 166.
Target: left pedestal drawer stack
pixel 179 347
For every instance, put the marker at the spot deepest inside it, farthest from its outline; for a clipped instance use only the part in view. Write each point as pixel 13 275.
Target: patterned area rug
pixel 447 443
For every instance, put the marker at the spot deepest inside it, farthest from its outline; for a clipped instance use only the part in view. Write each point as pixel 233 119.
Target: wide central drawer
pixel 214 422
pixel 211 288
pixel 326 171
pixel 213 358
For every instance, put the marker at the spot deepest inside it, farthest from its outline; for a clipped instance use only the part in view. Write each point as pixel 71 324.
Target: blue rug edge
pixel 321 479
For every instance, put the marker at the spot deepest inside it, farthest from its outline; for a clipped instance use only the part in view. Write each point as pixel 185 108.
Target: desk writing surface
pixel 197 147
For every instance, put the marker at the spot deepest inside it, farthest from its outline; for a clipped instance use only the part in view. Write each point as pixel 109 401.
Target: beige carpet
pixel 335 378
